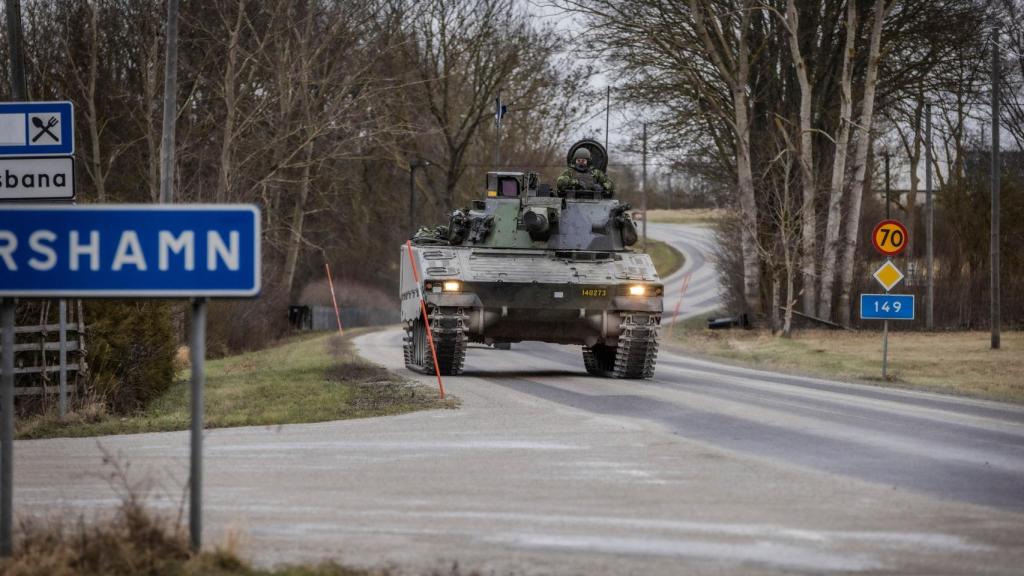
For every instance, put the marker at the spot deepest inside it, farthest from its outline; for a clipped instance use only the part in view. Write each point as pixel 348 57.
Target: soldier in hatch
pixel 582 176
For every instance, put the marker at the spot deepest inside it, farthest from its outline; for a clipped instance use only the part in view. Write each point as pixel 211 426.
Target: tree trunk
pixel 835 199
pixel 861 161
pixel 808 215
pixel 748 209
pixel 298 221
pixel 96 161
pixel 735 71
pixel 787 319
pixel 150 87
pixel 230 103
pixel 748 204
pixel 915 180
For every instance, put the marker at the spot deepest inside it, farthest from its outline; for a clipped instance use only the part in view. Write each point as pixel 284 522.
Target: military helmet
pixel 581 152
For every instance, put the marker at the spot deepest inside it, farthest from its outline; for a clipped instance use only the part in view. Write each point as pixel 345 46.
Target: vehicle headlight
pixel 637 290
pixel 452 286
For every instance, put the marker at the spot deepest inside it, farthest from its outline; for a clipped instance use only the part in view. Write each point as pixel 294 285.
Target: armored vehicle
pixel 528 263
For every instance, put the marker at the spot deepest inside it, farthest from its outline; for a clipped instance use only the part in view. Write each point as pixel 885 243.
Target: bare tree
pixel 731 53
pixel 463 51
pixel 829 262
pixel 864 139
pixel 808 176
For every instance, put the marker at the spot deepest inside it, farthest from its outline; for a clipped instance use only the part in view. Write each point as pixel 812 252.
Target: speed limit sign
pixel 890 237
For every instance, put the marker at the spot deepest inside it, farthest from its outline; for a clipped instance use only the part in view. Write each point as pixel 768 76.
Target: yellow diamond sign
pixel 888 275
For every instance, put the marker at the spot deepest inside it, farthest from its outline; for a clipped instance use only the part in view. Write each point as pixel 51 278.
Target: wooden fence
pixel 38 358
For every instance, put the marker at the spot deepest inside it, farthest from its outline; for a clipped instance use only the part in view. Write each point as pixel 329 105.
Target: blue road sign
pixel 131 251
pixel 37 129
pixel 886 306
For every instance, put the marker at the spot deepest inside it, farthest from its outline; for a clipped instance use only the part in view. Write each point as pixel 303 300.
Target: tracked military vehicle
pixel 528 263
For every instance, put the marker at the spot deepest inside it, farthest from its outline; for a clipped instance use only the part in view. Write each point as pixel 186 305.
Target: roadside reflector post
pixel 334 300
pixel 426 319
pixel 679 303
pixel 197 349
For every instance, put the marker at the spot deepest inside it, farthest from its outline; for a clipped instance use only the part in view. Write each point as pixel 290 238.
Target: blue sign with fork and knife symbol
pixel 36 129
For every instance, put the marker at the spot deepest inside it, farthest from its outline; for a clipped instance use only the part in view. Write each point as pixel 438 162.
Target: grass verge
pixel 950 362
pixel 666 258
pixel 310 378
pixel 134 540
pixel 686 216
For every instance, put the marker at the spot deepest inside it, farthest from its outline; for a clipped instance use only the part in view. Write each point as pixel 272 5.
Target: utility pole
pixel 170 105
pixel 607 115
pixel 995 312
pixel 18 91
pixel 888 188
pixel 668 189
pixel 8 307
pixel 497 141
pixel 643 190
pixel 412 199
pixel 197 342
pixel 413 165
pixel 929 219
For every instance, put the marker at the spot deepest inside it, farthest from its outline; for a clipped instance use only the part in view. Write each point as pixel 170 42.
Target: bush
pixel 131 351
pixel 234 326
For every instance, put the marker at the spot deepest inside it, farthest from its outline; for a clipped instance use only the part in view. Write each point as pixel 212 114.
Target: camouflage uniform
pixel 573 179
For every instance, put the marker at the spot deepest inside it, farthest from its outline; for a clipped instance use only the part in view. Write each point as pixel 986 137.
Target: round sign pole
pixel 890 238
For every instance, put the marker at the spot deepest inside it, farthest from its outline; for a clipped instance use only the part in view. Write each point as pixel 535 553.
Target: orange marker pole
pixel 682 292
pixel 426 320
pixel 337 314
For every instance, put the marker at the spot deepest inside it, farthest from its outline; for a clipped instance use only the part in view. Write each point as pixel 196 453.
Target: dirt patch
pixel 376 390
pixel 355 372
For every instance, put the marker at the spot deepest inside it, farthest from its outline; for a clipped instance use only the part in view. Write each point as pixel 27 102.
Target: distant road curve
pixel 703 294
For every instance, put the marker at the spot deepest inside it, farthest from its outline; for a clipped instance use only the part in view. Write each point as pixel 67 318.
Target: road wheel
pixel 450 341
pixel 409 348
pixel 599 359
pixel 416 348
pixel 637 351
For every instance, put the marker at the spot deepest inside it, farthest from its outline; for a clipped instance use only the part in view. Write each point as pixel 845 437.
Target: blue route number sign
pixel 130 251
pixel 886 306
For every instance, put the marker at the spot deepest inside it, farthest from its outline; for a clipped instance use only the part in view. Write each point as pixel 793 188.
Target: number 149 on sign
pixel 887 306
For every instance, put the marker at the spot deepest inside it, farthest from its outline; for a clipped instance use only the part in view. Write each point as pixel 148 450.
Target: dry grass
pixel 666 258
pixel 310 378
pixel 133 540
pixel 687 216
pixel 951 362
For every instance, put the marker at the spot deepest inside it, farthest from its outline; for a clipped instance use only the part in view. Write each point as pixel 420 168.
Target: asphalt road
pixel 707 469
pixel 697 275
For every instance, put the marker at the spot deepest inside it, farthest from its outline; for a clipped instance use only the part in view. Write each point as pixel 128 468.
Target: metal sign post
pixel 7 306
pixel 885 350
pixel 890 238
pixel 197 348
